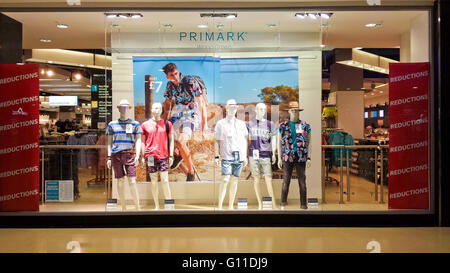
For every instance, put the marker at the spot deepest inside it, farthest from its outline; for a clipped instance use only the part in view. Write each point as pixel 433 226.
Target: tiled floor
pixel 228 240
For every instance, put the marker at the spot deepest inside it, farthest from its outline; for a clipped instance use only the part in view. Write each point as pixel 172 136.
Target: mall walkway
pixel 229 240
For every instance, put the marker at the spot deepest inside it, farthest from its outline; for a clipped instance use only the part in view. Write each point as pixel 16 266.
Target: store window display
pixel 263 145
pixel 231 143
pixel 294 138
pixel 124 148
pixel 158 137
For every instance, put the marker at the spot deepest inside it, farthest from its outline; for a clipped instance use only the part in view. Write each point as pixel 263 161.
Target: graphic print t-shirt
pixel 261 133
pixel 124 134
pixel 156 138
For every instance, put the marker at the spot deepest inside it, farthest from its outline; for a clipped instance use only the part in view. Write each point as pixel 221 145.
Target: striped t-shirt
pixel 123 133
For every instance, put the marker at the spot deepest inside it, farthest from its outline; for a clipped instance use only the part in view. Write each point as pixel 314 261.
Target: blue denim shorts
pixel 232 167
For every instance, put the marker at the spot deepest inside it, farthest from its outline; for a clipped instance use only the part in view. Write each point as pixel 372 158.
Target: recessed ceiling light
pixel 300 15
pixel 78 76
pixel 45 40
pixel 202 26
pixel 137 16
pixel 358 48
pixel 50 62
pixel 312 16
pixel 231 16
pixel 271 25
pixel 124 16
pixel 373 25
pixel 50 73
pixel 111 15
pixel 62 26
pixel 325 16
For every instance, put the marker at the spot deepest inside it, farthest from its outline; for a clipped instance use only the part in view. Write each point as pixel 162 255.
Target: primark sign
pixel 212 36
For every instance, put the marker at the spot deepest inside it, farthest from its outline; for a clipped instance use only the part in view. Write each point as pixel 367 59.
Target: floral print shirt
pixel 188 88
pixel 289 154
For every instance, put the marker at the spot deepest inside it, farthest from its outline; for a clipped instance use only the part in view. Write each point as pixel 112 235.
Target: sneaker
pixel 176 162
pixel 190 177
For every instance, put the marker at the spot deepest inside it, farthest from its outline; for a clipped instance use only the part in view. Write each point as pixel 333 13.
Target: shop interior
pixel 72 48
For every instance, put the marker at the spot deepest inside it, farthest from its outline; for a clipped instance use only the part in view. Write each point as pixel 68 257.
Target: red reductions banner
pixel 409 119
pixel 19 137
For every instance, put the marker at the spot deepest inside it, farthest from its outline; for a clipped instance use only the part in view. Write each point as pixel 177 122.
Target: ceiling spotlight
pixel 325 16
pixel 202 26
pixel 78 76
pixel 231 16
pixel 42 71
pixel 312 16
pixel 300 15
pixel 124 16
pixel 111 15
pixel 50 62
pixel 50 73
pixel 373 25
pixel 62 26
pixel 136 15
pixel 45 40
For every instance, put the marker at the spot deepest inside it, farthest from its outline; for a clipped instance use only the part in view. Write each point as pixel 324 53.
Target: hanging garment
pixel 341 138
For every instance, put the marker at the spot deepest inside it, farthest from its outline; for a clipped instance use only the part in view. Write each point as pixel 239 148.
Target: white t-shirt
pixel 233 137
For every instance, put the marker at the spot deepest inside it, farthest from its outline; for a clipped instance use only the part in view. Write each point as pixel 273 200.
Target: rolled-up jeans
pixel 288 167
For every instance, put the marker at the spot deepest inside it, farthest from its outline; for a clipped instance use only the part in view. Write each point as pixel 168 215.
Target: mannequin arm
pixel 138 149
pixel 108 162
pixel 274 148
pixel 216 152
pixel 171 147
pixel 308 162
pixel 279 151
pixel 202 105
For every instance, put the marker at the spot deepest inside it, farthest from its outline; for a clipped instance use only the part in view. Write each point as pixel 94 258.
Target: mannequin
pixel 293 152
pixel 158 152
pixel 124 148
pixel 231 142
pixel 263 145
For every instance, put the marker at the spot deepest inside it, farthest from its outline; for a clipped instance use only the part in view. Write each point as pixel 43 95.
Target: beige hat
pixel 293 105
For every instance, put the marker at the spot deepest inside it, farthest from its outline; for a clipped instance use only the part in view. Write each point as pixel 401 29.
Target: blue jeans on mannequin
pixel 288 167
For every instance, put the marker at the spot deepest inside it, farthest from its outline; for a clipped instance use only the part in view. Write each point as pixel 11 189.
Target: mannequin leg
pixel 121 192
pixel 302 184
pixel 165 185
pixel 134 191
pixel 223 190
pixel 233 191
pixel 257 187
pixel 155 192
pixel 287 174
pixel 270 190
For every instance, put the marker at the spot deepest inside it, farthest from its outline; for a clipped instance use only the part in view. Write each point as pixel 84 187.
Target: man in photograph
pixel 186 105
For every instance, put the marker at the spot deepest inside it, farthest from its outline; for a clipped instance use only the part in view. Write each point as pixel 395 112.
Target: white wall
pixel 420 39
pixel 350 117
pixel 310 77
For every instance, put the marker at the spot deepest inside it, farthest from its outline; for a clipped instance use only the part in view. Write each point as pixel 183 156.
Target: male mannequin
pixel 294 137
pixel 231 136
pixel 263 143
pixel 124 148
pixel 158 155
